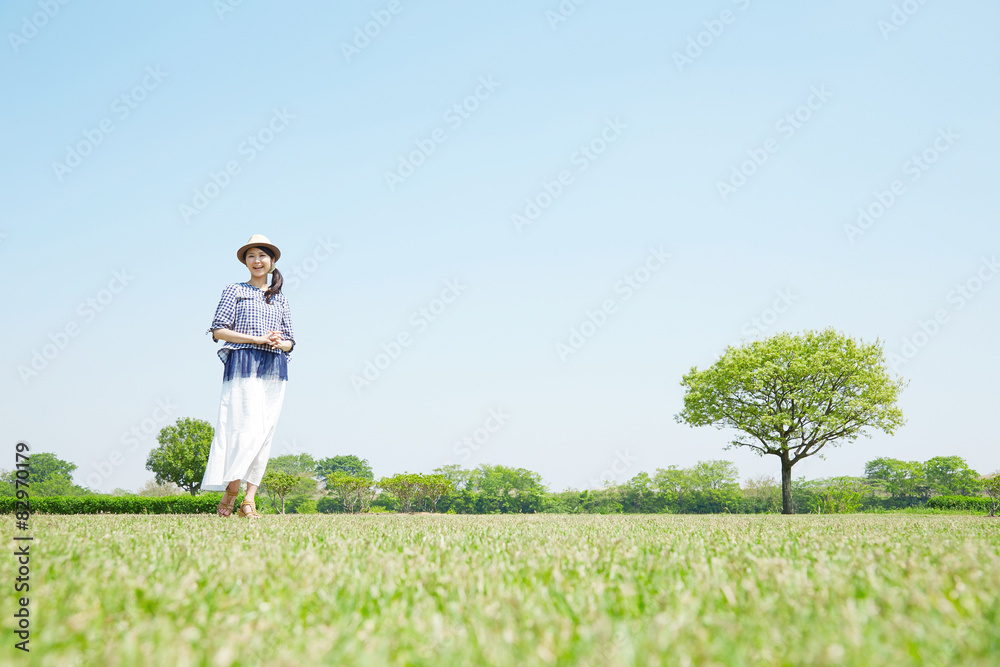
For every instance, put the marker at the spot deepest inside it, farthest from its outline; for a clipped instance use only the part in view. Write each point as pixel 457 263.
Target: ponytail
pixel 276 281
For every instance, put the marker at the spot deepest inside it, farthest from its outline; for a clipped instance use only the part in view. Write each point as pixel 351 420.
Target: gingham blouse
pixel 242 309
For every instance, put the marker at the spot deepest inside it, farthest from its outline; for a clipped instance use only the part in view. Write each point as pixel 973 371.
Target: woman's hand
pixel 273 338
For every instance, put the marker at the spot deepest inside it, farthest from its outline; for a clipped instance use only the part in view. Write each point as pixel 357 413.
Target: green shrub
pixel 186 504
pixel 306 507
pixel 977 503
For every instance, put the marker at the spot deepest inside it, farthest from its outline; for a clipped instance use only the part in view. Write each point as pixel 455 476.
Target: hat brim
pixel 242 251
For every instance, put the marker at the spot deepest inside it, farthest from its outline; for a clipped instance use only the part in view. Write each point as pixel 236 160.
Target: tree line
pixel 790 396
pixel 346 484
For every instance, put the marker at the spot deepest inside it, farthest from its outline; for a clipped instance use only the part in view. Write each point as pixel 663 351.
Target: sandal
pixel 225 507
pixel 253 513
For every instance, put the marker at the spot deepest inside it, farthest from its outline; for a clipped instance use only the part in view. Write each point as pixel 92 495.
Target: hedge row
pixel 186 504
pixel 959 503
pixel 206 503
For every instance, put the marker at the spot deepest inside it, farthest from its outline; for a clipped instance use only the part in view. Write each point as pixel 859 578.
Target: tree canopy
pixel 293 464
pixel 348 464
pixel 279 484
pixel 182 455
pixel 791 395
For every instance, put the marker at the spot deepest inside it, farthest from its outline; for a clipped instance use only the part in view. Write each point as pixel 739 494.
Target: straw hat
pixel 259 241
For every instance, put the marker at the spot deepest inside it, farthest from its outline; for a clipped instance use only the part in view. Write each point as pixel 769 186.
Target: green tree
pixel 279 484
pixel 952 476
pixel 762 494
pixel 432 487
pixel 405 487
pixel 639 495
pixel 900 479
pixel 349 464
pixel 182 455
pixel 293 464
pixel 58 484
pixel 674 484
pixel 991 485
pixel 792 395
pixel 352 492
pixel 841 495
pixel 459 477
pixel 45 465
pixel 48 475
pixel 503 490
pixel 714 475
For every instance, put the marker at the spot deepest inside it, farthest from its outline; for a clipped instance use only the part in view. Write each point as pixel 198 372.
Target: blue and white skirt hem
pixel 254 362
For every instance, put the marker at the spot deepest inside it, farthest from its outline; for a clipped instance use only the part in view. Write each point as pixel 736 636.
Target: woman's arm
pixel 273 338
pixel 234 337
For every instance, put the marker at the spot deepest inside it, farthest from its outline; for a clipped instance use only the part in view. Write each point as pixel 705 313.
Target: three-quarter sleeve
pixel 286 325
pixel 225 312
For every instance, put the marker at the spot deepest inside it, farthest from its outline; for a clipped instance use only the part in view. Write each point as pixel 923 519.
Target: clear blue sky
pixel 118 114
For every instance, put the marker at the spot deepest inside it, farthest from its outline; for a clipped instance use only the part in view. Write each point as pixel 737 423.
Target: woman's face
pixel 258 261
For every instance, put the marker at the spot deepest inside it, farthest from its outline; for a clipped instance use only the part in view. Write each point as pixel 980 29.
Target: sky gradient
pixel 484 179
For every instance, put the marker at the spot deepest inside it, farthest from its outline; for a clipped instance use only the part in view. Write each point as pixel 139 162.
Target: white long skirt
pixel 248 415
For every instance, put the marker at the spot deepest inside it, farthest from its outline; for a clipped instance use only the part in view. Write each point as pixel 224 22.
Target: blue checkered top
pixel 242 309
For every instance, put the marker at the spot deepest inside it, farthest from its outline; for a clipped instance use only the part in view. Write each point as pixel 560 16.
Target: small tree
pixel 791 395
pixel 45 465
pixel 900 479
pixel 279 484
pixel 841 495
pixel 182 455
pixel 349 464
pixel 293 464
pixel 406 487
pixel 353 492
pixel 991 485
pixel 432 487
pixel 762 494
pixel 952 476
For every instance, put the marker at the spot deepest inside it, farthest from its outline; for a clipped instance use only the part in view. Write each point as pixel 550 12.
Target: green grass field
pixel 512 590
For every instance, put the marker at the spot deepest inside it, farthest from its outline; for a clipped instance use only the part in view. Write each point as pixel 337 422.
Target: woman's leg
pixel 251 490
pixel 226 508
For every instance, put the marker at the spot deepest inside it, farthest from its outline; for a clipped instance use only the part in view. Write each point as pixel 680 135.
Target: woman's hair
pixel 276 280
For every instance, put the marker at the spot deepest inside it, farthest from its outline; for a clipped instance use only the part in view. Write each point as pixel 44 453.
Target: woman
pixel 256 324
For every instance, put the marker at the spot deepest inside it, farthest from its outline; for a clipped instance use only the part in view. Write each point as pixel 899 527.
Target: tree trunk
pixel 786 484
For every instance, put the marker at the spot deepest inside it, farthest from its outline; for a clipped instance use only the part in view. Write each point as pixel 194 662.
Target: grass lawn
pixel 443 590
